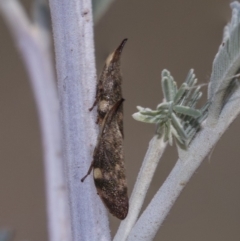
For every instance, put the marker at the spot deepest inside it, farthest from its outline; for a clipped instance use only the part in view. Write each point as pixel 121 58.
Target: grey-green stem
pixel 75 63
pixel 156 149
pixel 33 43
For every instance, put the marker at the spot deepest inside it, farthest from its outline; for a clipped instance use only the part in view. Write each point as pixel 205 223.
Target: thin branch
pixel 75 62
pixel 156 148
pixel 34 47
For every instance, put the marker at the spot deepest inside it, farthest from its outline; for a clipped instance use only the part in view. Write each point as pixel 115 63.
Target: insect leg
pixel 94 104
pixel 88 173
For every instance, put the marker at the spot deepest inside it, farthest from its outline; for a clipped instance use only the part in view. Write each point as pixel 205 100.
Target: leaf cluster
pixel 177 116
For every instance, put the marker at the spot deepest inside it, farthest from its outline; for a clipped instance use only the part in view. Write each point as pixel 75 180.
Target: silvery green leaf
pixel 176 116
pixel 190 77
pixel 152 120
pixel 166 129
pixel 204 111
pixel 163 106
pixel 195 97
pixel 178 126
pixel 174 87
pixel 168 88
pixel 189 92
pixel 205 107
pixel 178 137
pixel 150 112
pixel 195 101
pixel 144 118
pixel 180 93
pixel 192 80
pixel 143 109
pixel 191 135
pixel 140 108
pixel 225 64
pixel 165 73
pixel 139 117
pixel 187 111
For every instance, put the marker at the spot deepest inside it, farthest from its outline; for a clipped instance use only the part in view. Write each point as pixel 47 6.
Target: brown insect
pixel 108 161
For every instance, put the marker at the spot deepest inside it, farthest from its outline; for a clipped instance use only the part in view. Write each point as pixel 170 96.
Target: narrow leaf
pixel 178 126
pixel 168 88
pixel 180 93
pixel 187 111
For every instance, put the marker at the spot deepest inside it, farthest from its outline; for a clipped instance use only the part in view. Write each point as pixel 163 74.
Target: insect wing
pixel 108 165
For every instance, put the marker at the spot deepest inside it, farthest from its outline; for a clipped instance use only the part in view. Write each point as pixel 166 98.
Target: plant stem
pixel 33 44
pixel 75 63
pixel 156 149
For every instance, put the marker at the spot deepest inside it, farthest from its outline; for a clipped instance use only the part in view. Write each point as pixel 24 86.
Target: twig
pixel 34 47
pixel 156 148
pixel 75 62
